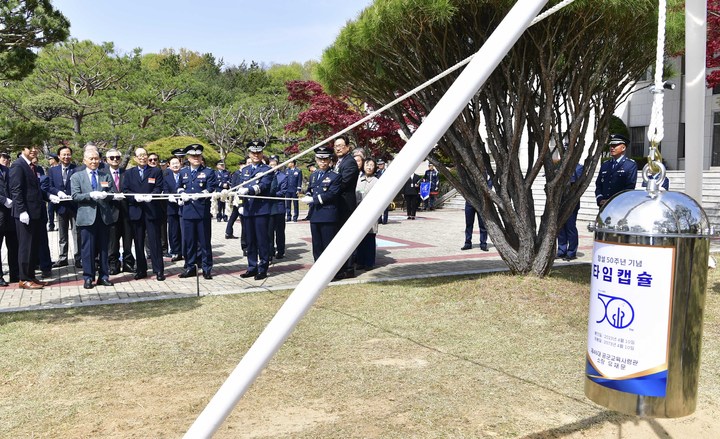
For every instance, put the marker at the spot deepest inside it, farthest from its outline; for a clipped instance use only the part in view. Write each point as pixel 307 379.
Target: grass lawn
pixel 494 356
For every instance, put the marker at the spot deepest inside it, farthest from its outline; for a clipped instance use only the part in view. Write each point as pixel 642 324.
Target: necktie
pixel 177 179
pixel 321 174
pixel 141 172
pixel 116 177
pixel 93 180
pixel 32 168
pixel 64 175
pixel 193 173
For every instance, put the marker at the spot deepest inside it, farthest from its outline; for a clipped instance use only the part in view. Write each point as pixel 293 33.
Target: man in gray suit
pixel 94 192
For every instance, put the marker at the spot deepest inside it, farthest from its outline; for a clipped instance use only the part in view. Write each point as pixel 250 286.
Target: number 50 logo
pixel 618 311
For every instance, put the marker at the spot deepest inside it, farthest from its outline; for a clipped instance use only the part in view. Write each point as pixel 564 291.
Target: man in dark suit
pixel 59 179
pixel 143 181
pixel 7 223
pixel 256 211
pixel 323 196
pixel 26 209
pixel 196 180
pixel 411 192
pixel 121 228
pixel 171 183
pixel 93 192
pixel 346 167
pixel 617 174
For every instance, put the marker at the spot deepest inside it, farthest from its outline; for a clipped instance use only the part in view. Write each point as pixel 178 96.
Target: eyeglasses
pixel 152 160
pixel 113 157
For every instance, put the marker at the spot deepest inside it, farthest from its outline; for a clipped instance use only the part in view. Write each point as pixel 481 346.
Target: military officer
pixel 295 183
pixel 222 179
pixel 616 175
pixel 195 180
pixel 323 196
pixel 256 211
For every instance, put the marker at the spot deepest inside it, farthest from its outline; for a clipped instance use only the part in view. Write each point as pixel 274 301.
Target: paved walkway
pixel 426 247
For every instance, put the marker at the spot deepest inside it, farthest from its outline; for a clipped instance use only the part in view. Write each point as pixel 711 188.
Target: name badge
pixel 105 184
pixel 151 180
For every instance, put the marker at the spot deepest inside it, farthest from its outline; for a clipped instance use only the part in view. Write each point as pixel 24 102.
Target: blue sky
pixel 267 31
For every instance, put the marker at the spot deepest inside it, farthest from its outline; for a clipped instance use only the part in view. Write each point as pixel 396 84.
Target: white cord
pixel 656 128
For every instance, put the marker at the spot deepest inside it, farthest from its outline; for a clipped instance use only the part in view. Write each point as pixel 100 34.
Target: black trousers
pixel 11 241
pixel 29 241
pixel 153 233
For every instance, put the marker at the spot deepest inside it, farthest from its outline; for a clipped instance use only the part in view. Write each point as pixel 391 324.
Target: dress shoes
pixel 570 257
pixel 190 272
pixel 176 258
pixel 140 276
pixel 560 256
pixel 29 285
pixel 279 255
pixel 484 247
pixel 46 273
pixel 260 276
pixel 249 274
pixel 58 264
pixel 41 283
pixel 160 276
pixel 105 282
pixel 3 283
pixel 88 284
pixel 466 247
pixel 207 276
pixel 230 236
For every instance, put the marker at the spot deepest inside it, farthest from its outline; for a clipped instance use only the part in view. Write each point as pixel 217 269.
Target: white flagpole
pixel 339 250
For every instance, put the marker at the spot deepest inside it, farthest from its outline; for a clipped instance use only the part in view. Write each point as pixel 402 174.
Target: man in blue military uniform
pixel 568 233
pixel 294 182
pixel 143 181
pixel 256 211
pixel 323 196
pixel 431 176
pixel 616 175
pixel 222 179
pixel 196 180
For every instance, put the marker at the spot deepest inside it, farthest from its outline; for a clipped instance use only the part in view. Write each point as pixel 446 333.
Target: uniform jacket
pixel 349 173
pixel 279 188
pixel 294 180
pixel 204 182
pixel 612 181
pixel 170 187
pixel 151 183
pixel 81 186
pixel 6 220
pixel 222 179
pixel 326 196
pixel 434 179
pixel 25 190
pixel 261 186
pixel 57 184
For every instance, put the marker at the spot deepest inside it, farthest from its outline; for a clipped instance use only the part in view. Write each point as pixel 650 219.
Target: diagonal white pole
pixel 339 250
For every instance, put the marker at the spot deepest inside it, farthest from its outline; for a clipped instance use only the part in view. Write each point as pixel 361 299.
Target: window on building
pixel 716 90
pixel 681 141
pixel 637 141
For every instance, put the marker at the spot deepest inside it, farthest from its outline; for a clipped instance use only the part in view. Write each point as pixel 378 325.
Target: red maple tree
pixel 326 115
pixel 712 54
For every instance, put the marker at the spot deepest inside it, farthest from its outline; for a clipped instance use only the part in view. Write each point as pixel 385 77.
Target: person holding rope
pixel 94 192
pixel 171 180
pixel 59 179
pixel 196 181
pixel 142 181
pixel 256 211
pixel 121 228
pixel 323 197
pixel 7 223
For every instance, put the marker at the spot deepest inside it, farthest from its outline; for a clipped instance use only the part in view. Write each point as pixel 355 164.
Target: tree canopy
pixel 558 85
pixel 25 26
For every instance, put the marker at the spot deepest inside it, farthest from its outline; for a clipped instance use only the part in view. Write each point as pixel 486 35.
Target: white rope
pixel 656 128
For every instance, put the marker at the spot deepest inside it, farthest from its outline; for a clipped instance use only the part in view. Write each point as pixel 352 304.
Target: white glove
pixel 172 199
pixel 217 195
pixel 196 196
pixel 185 197
pixel 24 218
pixel 180 202
pixel 62 194
pixel 243 191
pixel 8 202
pixel 237 201
pixel 140 198
pixel 54 199
pixel 118 196
pixel 102 195
pixel 307 199
pixel 240 210
pixel 95 195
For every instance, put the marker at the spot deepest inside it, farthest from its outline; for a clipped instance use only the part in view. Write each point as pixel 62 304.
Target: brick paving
pixel 426 247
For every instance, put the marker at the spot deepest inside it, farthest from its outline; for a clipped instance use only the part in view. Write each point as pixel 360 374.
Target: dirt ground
pixel 483 357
